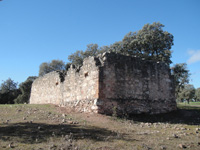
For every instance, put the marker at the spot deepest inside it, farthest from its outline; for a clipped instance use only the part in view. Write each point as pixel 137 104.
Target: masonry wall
pixel 47 89
pixel 132 85
pixel 81 87
pixel 77 88
pixel 109 83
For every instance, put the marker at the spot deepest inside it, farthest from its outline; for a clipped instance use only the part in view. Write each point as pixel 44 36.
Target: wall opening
pixel 86 74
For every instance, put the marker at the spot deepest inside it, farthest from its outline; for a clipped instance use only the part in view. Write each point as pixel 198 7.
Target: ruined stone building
pixel 107 83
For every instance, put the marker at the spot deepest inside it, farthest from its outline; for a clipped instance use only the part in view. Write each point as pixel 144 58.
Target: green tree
pixel 25 88
pixel 8 91
pixel 151 42
pixel 104 49
pixel 187 93
pixel 181 76
pixel 131 45
pixel 78 57
pixel 8 85
pixel 197 94
pixel 117 47
pixel 92 50
pixel 54 65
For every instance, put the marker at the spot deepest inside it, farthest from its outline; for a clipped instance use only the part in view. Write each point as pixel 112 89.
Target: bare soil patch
pixel 38 127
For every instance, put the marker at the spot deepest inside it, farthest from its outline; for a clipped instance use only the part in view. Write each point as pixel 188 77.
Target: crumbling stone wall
pixel 109 83
pixel 47 89
pixel 81 86
pixel 133 86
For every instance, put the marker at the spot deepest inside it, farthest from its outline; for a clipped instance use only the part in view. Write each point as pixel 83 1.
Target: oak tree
pixel 54 65
pixel 181 76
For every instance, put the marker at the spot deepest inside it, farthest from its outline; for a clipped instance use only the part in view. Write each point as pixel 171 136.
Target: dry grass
pixel 37 127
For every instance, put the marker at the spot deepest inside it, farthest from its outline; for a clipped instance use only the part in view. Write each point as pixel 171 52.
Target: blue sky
pixel 37 31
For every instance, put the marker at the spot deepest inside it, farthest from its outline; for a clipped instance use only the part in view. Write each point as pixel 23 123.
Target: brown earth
pixel 38 127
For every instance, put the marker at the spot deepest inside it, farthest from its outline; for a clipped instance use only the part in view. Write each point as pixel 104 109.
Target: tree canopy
pixel 8 91
pixel 197 94
pixel 151 43
pixel 181 76
pixel 25 88
pixel 8 85
pixel 187 93
pixel 78 57
pixel 54 65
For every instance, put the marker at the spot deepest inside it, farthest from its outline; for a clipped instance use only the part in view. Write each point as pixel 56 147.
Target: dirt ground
pixel 39 127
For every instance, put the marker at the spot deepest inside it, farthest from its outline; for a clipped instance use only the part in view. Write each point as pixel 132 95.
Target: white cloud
pixel 194 56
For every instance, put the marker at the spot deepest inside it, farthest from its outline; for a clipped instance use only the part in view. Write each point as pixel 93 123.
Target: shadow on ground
pixel 38 133
pixel 184 115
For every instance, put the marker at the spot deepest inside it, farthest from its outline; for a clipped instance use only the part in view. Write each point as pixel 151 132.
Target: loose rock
pixel 182 146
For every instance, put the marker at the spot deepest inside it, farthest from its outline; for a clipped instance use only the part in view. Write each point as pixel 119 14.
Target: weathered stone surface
pixel 47 89
pixel 107 83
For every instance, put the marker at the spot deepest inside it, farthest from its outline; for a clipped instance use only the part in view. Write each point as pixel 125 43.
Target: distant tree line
pixel 183 90
pixel 149 43
pixel 10 93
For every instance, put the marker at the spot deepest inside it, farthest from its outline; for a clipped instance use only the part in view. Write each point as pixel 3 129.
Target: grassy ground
pixel 190 104
pixel 37 127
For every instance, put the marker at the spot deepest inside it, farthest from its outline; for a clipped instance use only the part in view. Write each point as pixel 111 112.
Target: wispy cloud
pixel 194 56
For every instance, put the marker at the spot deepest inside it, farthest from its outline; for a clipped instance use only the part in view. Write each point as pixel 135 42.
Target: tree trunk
pixel 188 101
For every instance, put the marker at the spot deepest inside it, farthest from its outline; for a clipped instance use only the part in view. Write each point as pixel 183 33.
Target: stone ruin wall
pixel 134 86
pixel 46 90
pixel 81 87
pixel 108 83
pixel 78 88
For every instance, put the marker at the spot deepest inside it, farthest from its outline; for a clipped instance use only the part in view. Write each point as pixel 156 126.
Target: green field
pixel 190 104
pixel 37 127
